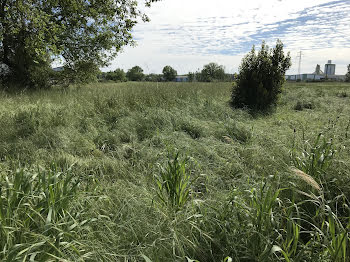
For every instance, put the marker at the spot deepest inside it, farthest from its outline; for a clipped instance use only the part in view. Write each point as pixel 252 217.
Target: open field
pixel 103 148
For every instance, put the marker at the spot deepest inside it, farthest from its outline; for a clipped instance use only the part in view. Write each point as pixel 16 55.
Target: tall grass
pixel 37 218
pixel 174 183
pixel 241 200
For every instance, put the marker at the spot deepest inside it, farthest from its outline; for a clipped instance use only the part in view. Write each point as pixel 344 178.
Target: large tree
pixel 82 33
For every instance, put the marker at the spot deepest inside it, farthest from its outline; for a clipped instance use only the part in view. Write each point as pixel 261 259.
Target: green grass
pixel 232 185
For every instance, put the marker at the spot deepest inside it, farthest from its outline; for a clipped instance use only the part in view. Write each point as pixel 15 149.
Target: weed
pixel 36 216
pixel 174 184
pixel 316 157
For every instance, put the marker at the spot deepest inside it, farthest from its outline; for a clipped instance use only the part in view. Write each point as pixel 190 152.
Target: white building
pixel 318 75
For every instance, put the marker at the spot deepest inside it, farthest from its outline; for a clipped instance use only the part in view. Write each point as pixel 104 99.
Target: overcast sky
pixel 187 34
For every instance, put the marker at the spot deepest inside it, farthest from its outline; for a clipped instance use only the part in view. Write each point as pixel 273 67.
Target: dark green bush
pixel 260 78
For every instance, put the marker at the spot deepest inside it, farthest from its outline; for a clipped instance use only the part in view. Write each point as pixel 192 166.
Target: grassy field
pixel 169 171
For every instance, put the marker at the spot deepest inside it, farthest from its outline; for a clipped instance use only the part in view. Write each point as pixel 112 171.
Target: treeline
pixel 211 72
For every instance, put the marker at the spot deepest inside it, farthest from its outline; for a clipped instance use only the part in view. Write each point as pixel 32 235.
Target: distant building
pixel 181 79
pixel 318 75
pixel 329 68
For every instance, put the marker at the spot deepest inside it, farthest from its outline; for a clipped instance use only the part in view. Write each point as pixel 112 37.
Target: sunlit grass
pixel 232 186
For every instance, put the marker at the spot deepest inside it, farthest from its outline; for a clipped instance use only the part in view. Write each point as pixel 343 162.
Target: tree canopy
pixel 117 75
pixel 135 74
pixel 82 33
pixel 169 73
pixel 213 72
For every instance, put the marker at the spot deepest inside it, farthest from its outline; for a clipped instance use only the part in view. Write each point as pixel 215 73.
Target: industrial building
pixel 318 75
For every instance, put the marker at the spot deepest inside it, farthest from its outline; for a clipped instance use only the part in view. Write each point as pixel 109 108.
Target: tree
pixel 82 33
pixel 347 76
pixel 117 75
pixel 261 77
pixel 153 78
pixel 191 77
pixel 135 74
pixel 212 72
pixel 169 73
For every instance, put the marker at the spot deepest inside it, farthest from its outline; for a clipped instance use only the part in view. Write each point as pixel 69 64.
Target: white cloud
pixel 189 33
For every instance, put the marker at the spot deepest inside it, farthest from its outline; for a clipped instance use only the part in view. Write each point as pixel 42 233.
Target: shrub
pixel 260 78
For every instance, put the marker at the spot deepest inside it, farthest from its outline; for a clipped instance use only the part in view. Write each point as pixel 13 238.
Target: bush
pixel 260 78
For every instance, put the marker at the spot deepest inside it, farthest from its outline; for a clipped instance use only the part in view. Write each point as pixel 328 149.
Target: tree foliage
pixel 117 75
pixel 135 74
pixel 169 73
pixel 261 76
pixel 212 72
pixel 81 33
pixel 347 76
pixel 153 78
pixel 191 76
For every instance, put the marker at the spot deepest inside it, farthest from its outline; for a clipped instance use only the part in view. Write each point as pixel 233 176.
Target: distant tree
pixel 198 76
pixel 153 78
pixel 169 73
pixel 347 76
pixel 191 77
pixel 117 75
pixel 86 34
pixel 135 74
pixel 212 72
pixel 261 77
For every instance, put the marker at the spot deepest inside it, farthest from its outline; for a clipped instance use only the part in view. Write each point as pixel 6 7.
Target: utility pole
pixel 299 56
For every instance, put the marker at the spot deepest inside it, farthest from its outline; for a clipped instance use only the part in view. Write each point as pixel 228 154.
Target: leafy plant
pixel 256 217
pixel 36 216
pixel 174 184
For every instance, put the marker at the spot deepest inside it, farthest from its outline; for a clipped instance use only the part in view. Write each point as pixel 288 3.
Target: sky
pixel 187 34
